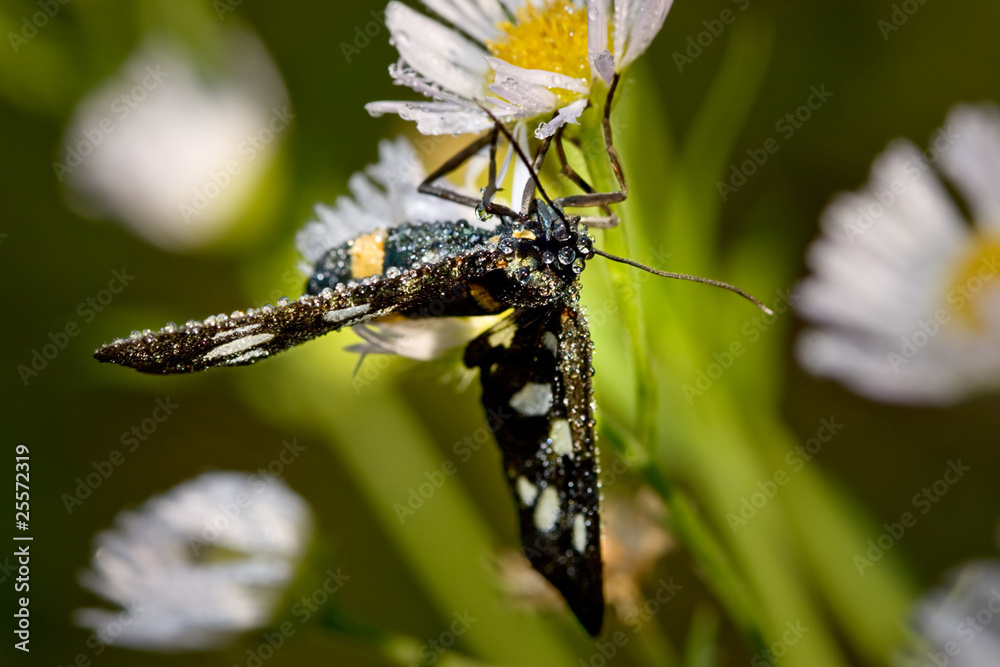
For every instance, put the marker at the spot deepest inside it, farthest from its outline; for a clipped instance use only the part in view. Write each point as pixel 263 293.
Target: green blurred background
pixel 364 449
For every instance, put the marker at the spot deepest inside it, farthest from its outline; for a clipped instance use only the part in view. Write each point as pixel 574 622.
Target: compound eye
pixel 560 232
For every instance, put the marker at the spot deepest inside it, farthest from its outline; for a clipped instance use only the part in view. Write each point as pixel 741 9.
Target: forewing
pixel 245 338
pixel 536 375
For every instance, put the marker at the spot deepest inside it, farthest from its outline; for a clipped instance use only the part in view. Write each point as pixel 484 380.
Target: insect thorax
pixel 542 258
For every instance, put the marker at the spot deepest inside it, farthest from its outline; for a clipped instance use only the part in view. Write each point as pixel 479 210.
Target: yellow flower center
pixel 979 270
pixel 552 38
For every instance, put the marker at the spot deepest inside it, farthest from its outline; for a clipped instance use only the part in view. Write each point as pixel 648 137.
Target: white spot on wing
pixel 579 533
pixel 527 491
pixel 502 338
pixel 547 510
pixel 252 354
pixel 237 346
pixel 346 313
pixel 534 400
pixel 562 438
pixel 237 331
pixel 549 340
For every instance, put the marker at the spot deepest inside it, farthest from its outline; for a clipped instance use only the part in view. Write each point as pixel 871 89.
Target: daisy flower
pixel 384 196
pixel 959 625
pixel 193 568
pixel 173 149
pixel 526 58
pixel 903 294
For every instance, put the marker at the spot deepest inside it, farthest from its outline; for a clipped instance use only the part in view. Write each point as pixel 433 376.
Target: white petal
pixel 969 149
pixel 604 65
pixel 597 31
pixel 158 563
pixel 511 84
pixel 538 77
pixel 159 167
pixel 513 6
pixel 620 25
pixel 945 619
pixel 423 339
pixel 522 175
pixel 436 117
pixel 384 196
pixel 436 52
pixel 478 18
pixel 882 272
pixel 568 114
pixel 642 25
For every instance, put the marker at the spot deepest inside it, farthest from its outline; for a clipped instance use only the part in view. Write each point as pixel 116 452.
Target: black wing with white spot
pixel 536 374
pixel 245 338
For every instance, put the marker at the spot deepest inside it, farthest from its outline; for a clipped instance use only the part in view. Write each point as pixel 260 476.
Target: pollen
pixel 552 37
pixel 978 270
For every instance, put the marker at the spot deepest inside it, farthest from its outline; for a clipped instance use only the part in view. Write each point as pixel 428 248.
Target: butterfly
pixel 535 364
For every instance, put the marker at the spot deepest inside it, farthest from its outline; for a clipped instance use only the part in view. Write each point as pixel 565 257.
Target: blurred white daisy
pixel 526 58
pixel 959 625
pixel 193 568
pixel 384 196
pixel 175 149
pixel 903 295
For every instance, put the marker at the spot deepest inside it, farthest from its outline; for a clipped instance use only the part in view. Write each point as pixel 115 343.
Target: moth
pixel 535 364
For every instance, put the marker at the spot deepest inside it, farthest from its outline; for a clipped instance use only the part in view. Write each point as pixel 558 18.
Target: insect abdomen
pixel 400 248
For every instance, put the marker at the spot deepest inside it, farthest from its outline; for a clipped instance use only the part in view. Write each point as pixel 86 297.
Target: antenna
pixel 520 154
pixel 615 258
pixel 685 276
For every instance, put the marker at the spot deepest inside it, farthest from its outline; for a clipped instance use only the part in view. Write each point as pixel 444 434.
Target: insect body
pixel 535 364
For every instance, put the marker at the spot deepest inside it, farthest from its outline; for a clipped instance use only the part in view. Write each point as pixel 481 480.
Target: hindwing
pixel 535 369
